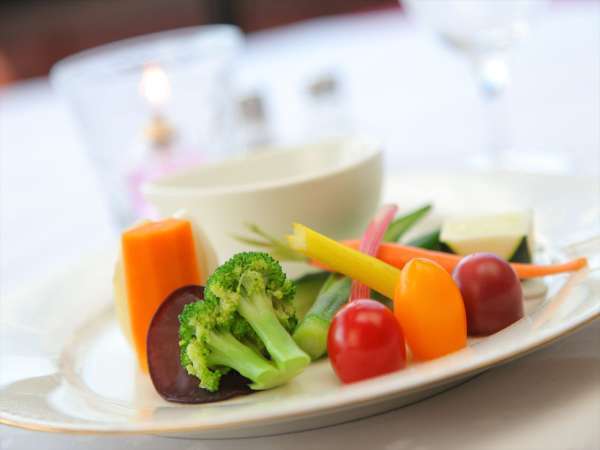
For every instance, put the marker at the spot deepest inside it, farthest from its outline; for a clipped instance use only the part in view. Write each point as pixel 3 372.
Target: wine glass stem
pixel 492 72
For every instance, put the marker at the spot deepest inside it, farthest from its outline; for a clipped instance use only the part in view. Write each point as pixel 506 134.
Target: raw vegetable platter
pixel 68 368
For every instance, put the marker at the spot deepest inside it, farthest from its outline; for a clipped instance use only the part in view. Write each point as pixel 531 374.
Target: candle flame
pixel 154 85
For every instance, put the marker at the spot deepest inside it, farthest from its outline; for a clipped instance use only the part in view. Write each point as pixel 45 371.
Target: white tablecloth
pixel 419 99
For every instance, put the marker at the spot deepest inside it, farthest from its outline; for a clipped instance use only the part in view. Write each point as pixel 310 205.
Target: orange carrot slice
pixel 398 255
pixel 158 257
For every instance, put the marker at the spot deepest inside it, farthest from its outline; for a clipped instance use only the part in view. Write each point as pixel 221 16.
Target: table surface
pixel 401 85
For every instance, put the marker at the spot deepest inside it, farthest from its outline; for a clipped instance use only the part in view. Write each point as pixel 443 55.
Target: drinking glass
pixel 484 31
pixel 151 105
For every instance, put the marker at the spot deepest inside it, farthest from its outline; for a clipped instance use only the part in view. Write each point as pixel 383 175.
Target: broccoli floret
pixel 209 347
pixel 254 285
pixel 244 323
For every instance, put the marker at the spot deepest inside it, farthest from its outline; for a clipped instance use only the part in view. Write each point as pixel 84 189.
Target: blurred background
pixel 36 34
pixel 445 85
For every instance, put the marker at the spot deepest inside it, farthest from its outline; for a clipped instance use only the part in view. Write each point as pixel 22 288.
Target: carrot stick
pixel 534 270
pixel 397 255
pixel 157 258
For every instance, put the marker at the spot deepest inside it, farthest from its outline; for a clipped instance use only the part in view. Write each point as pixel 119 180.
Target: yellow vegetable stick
pixel 340 258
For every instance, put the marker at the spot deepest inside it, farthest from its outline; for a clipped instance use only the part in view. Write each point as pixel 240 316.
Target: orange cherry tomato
pixel 430 309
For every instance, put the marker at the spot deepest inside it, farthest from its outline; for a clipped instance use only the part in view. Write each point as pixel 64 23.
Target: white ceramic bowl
pixel 333 186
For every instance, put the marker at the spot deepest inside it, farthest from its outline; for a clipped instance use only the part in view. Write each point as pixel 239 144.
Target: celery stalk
pixel 311 333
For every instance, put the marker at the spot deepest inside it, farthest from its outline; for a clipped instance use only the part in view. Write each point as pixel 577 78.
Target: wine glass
pixel 484 31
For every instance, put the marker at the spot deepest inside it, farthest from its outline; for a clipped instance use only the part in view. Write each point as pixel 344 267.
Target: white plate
pixel 64 366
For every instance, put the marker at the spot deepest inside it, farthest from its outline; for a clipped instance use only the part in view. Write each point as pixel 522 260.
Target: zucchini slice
pixel 508 235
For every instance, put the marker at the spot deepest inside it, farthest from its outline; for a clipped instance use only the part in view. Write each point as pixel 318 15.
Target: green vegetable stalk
pixel 429 241
pixel 401 225
pixel 311 333
pixel 307 290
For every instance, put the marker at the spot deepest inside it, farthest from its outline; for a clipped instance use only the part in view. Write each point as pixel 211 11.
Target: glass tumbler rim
pixel 175 46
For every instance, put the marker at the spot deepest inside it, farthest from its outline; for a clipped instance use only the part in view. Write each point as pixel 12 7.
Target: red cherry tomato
pixel 365 340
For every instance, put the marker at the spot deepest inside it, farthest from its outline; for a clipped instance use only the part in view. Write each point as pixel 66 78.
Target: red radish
pixel 491 292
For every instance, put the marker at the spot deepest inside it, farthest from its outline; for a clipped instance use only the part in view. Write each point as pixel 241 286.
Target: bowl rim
pixel 370 150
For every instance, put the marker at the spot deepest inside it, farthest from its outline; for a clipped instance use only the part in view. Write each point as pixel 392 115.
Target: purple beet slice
pixel 171 380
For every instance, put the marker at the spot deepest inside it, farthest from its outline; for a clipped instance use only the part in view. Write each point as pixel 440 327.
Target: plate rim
pixel 312 410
